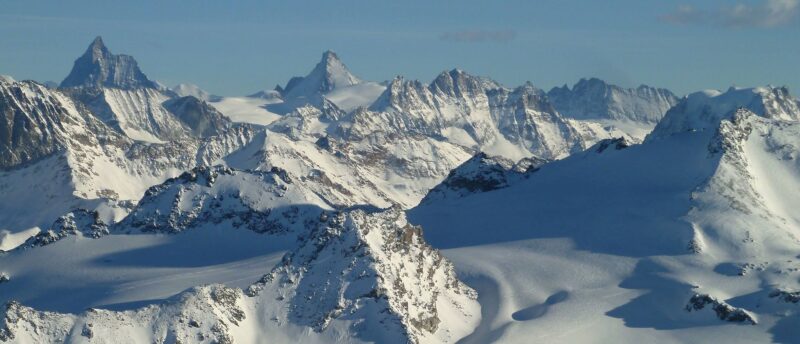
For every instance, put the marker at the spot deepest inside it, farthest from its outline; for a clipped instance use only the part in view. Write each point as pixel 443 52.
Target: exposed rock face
pixel 98 67
pixel 723 310
pixel 115 91
pixel 203 119
pixel 79 222
pixel 380 168
pixel 329 74
pixel 136 113
pixel 480 114
pixel 786 296
pixel 596 99
pixel 38 122
pixel 30 123
pixel 459 84
pixel 482 173
pixel 374 267
pixel 704 110
pixel 367 273
pixel 202 314
pixel 264 202
pixel 308 120
pixel 53 135
pixel 617 144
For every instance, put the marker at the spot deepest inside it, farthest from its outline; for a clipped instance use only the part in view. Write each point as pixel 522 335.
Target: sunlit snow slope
pixel 688 237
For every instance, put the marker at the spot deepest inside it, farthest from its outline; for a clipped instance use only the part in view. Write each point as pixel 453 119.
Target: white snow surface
pixel 328 75
pixel 595 99
pixel 703 110
pixel 90 165
pixel 610 246
pixel 247 109
pixel 359 95
pixel 186 89
pixel 354 276
pixel 299 233
pixel 140 116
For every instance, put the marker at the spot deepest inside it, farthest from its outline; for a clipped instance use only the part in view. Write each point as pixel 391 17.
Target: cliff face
pixel 98 67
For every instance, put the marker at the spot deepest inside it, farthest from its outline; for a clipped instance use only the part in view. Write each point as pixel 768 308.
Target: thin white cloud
pixel 767 13
pixel 685 14
pixel 479 36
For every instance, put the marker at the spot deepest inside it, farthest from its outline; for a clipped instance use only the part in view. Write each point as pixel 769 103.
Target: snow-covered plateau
pixel 338 210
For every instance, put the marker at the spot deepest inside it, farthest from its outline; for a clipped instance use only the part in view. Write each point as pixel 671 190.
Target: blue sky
pixel 239 47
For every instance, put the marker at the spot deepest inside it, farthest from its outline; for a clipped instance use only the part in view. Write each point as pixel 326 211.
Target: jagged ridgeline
pixel 133 212
pixel 699 211
pixel 360 273
pixel 110 132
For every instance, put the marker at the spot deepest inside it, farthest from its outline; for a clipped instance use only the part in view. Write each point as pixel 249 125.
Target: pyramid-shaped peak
pixel 329 74
pixel 97 50
pixel 98 67
pixel 334 70
pixel 454 73
pixel 98 42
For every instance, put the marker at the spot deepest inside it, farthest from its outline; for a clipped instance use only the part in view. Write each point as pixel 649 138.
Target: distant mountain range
pixel 583 214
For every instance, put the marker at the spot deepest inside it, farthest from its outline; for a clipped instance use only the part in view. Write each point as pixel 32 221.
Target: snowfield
pixel 637 232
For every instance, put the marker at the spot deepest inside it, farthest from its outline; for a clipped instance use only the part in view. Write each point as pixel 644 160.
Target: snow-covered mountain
pixel 50 136
pixel 98 67
pixel 329 74
pixel 595 99
pixel 356 275
pixel 688 237
pixel 479 114
pixel 116 91
pixel 136 113
pixel 294 215
pixel 187 89
pixel 473 112
pixel 482 173
pixel 379 169
pixel 702 111
pixel 157 136
pixel 634 111
pixel 331 79
pixel 201 118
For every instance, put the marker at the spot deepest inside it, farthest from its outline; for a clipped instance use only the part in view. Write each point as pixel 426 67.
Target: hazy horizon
pixel 241 48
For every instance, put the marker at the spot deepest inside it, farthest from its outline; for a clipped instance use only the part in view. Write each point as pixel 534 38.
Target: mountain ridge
pixel 98 67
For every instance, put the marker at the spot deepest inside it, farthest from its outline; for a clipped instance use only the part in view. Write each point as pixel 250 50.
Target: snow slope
pixel 572 233
pixel 247 109
pixel 373 171
pixel 86 163
pixel 360 95
pixel 681 239
pixel 328 75
pixel 356 275
pixel 187 89
pixel 480 114
pixel 595 99
pixel 474 112
pixel 139 115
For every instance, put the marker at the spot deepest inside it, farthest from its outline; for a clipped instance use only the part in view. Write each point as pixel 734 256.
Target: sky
pixel 239 47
